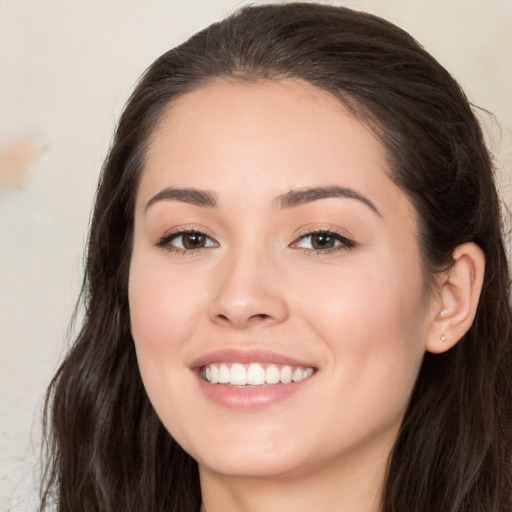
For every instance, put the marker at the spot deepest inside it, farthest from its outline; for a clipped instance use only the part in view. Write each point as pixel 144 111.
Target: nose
pixel 248 293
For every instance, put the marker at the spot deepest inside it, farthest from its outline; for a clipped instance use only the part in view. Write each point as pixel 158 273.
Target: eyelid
pixel 320 227
pixel 346 241
pixel 164 241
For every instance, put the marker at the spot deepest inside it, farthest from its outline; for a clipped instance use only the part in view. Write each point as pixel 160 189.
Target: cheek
pixel 373 323
pixel 163 314
pixel 161 307
pixel 347 304
pixel 163 310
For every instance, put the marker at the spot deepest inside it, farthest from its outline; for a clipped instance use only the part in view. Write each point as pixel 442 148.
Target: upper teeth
pixel 254 374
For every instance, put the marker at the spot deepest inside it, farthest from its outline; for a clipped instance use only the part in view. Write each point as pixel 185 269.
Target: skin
pixel 360 313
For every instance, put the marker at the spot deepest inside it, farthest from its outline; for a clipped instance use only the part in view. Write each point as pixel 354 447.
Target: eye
pixel 324 241
pixel 188 240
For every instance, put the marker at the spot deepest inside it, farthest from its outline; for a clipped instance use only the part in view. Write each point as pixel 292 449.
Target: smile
pixel 254 374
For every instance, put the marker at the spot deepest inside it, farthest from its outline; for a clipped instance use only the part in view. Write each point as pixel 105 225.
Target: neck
pixel 341 486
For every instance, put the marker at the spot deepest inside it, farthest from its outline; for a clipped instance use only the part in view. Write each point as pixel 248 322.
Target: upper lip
pixel 246 356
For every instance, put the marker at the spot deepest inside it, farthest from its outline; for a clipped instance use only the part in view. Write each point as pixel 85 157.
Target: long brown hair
pixel 108 451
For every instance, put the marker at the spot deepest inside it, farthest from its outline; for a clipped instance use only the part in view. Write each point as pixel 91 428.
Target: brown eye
pixel 323 241
pixel 186 241
pixel 193 240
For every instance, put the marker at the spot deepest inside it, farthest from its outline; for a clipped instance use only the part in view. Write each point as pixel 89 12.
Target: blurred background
pixel 66 69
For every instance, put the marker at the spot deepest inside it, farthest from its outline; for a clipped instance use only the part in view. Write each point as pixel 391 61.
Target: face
pixel 276 295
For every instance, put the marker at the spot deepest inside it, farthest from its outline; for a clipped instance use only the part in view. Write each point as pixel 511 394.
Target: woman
pixel 296 290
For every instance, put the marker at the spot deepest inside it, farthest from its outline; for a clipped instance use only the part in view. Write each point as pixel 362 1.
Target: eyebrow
pixel 194 196
pixel 293 198
pixel 298 197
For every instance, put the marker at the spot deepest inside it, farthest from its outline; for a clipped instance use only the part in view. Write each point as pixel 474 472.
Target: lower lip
pixel 249 398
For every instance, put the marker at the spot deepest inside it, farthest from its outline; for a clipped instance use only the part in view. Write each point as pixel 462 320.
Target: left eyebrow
pixel 203 198
pixel 298 197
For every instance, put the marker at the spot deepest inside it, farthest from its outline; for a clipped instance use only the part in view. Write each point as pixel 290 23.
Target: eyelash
pixel 165 242
pixel 345 243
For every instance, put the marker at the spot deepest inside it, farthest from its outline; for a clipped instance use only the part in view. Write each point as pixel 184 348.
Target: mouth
pixel 254 374
pixel 250 379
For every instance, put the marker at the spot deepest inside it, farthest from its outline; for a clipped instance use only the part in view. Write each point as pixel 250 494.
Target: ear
pixel 456 298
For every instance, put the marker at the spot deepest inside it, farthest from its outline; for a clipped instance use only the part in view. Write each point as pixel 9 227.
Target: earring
pixel 443 338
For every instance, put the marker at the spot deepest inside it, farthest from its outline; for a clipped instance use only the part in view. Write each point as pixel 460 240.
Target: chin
pixel 251 465
pixel 255 453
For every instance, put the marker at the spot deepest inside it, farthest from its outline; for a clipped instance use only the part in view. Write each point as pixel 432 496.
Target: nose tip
pixel 247 298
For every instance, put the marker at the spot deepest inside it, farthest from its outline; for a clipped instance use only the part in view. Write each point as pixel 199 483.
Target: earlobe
pixel 458 294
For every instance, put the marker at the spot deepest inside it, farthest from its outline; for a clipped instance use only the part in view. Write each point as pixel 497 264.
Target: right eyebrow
pixel 202 198
pixel 297 197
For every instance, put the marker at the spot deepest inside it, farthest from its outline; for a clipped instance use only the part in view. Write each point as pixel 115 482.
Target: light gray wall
pixel 66 68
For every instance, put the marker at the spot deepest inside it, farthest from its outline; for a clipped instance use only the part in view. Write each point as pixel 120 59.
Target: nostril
pixel 259 317
pixel 256 318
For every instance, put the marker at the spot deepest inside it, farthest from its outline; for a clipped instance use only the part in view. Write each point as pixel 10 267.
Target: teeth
pixel 286 374
pixel 254 374
pixel 224 372
pixel 238 375
pixel 307 373
pixel 272 375
pixel 296 376
pixel 214 374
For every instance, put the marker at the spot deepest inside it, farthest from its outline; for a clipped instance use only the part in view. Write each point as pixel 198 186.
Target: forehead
pixel 261 139
pixel 288 110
